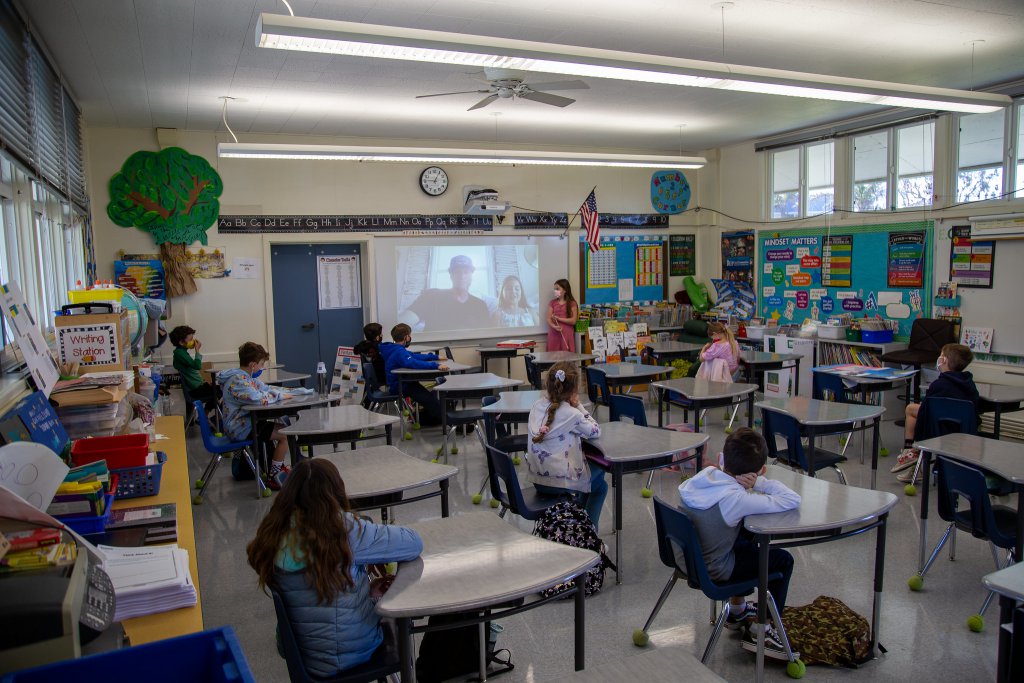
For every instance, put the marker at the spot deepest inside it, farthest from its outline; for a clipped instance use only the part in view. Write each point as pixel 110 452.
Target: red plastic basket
pixel 127 450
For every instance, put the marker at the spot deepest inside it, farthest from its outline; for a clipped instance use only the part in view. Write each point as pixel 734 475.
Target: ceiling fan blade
pixel 559 85
pixel 484 102
pixel 442 94
pixel 547 98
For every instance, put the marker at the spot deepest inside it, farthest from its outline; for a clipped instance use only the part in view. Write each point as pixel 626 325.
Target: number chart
pixel 626 269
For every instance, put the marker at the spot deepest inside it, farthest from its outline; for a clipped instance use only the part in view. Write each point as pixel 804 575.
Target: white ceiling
pixel 165 63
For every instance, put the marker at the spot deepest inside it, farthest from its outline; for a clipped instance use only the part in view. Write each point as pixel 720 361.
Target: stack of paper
pixel 149 580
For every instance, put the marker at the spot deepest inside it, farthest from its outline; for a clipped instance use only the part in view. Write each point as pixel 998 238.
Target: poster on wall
pixel 837 261
pixel 143 277
pixel 40 361
pixel 648 263
pixel 971 262
pixel 338 282
pixel 206 263
pixel 738 256
pixel 682 251
pixel 906 259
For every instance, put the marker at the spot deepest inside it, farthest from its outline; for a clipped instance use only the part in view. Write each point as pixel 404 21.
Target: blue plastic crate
pixel 212 656
pixel 91 525
pixel 876 336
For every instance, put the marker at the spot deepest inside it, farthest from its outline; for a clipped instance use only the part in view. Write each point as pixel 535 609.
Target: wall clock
pixel 434 181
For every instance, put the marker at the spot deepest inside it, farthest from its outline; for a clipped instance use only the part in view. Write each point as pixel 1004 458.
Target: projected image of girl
pixel 513 309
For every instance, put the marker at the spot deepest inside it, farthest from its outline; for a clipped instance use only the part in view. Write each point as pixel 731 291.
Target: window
pixel 980 161
pixel 786 183
pixel 803 180
pixel 820 165
pixel 870 171
pixel 1019 192
pixel 915 165
pixel 894 168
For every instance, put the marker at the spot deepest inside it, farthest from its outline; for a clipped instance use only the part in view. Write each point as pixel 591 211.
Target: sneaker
pixel 909 478
pixel 772 644
pixel 749 614
pixel 907 458
pixel 273 484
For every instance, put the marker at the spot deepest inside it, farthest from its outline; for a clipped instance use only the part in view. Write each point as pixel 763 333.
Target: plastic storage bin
pixel 212 656
pixel 91 525
pixel 135 482
pixel 127 450
pixel 876 336
pixel 832 331
pixel 852 334
pixel 88 296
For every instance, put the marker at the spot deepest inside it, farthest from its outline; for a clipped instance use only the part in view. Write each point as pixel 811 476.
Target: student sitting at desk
pixel 716 500
pixel 313 551
pixel 369 349
pixel 953 382
pixel 396 356
pixel 189 366
pixel 242 387
pixel 721 356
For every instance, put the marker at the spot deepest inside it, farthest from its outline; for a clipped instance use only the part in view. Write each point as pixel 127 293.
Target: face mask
pixel 938 364
pixel 407 343
pixel 721 461
pixel 558 294
pixel 257 373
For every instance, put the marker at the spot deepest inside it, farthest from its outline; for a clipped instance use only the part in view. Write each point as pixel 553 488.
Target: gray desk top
pixel 810 411
pixel 278 376
pixel 907 377
pixel 452 367
pixel 552 357
pixel 336 420
pixel 477 560
pixel 476 380
pixel 1008 582
pixel 625 442
pixel 630 370
pixel 1001 393
pixel 511 350
pixel 423 348
pixel 1004 458
pixel 229 364
pixel 385 469
pixel 694 388
pixel 669 663
pixel 823 506
pixel 764 357
pixel 521 402
pixel 673 347
pixel 296 402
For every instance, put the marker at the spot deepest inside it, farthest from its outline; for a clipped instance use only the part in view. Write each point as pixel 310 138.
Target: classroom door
pixel 305 332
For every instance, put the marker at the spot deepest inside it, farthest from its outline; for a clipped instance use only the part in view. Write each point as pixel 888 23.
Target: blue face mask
pixel 257 373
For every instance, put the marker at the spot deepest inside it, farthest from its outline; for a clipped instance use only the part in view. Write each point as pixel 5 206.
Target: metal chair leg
pixel 840 475
pixel 732 418
pixel 781 628
pixel 717 631
pixel 936 551
pixel 661 599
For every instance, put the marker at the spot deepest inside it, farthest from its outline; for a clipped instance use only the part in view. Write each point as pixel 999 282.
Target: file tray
pixel 212 656
pixel 135 482
pixel 91 525
pixel 126 450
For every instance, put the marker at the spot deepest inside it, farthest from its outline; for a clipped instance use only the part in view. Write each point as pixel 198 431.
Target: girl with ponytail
pixel 554 457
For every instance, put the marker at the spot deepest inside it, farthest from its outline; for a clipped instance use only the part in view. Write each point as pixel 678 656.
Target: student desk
pixel 334 424
pixel 759 362
pixel 1009 584
pixel 478 562
pixel 424 348
pixel 700 394
pixel 230 364
pixel 277 377
pixel 630 448
pixel 620 375
pixel 273 411
pixel 863 386
pixel 175 487
pixel 513 407
pixel 821 418
pixel 670 350
pixel 827 512
pixel 489 353
pixel 473 385
pixel 404 375
pixel 545 359
pixel 669 663
pixel 378 477
pixel 999 399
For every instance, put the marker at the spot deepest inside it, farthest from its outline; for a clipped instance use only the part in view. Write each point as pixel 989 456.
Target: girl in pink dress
pixel 562 314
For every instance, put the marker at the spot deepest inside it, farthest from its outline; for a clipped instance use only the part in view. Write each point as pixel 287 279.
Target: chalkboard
pixel 626 269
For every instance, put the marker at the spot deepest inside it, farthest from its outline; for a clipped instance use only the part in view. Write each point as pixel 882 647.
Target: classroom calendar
pixel 601 270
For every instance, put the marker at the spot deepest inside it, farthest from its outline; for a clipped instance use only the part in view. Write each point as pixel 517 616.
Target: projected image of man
pixel 448 309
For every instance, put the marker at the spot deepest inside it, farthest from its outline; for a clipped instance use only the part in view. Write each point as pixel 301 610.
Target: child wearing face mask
pixel 562 315
pixel 190 365
pixel 953 382
pixel 396 355
pixel 241 387
pixel 721 356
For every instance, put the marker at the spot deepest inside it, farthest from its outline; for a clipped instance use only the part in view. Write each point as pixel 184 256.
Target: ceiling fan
pixel 507 84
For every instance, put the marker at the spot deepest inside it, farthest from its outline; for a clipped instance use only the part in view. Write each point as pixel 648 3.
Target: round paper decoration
pixel 670 192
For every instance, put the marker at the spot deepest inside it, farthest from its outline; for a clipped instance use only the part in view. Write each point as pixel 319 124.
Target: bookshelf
pixel 841 351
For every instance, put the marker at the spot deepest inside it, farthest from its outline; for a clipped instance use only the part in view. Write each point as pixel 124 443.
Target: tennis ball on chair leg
pixel 796 669
pixel 494 503
pixel 477 498
pixel 408 436
pixel 646 492
pixel 883 451
pixel 910 490
pixel 976 623
pixel 640 638
pixel 915 582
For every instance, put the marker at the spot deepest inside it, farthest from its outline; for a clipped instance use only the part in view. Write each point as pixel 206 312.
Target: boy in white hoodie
pixel 716 500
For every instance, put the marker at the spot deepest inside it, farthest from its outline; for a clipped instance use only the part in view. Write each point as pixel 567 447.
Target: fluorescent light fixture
pixel 250 150
pixel 418 45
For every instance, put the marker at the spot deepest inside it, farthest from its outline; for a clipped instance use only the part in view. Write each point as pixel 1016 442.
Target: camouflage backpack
pixel 828 632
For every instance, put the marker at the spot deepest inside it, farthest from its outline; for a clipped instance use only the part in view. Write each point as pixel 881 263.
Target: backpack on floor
pixel 240 469
pixel 828 632
pixel 455 652
pixel 569 524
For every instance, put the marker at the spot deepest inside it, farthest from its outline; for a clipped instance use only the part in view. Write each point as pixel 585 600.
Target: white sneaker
pixel 909 478
pixel 907 458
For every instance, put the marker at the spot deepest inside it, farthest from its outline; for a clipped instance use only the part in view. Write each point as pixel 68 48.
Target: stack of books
pixel 94 405
pixel 160 522
pixel 36 549
pixel 149 580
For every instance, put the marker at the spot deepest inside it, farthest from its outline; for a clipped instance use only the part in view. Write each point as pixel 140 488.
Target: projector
pixel 483 201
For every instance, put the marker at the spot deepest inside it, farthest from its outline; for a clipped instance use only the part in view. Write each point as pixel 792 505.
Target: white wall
pixel 227 312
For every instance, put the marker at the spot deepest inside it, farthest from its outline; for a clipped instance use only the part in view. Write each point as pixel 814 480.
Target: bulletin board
pixel 884 270
pixel 625 269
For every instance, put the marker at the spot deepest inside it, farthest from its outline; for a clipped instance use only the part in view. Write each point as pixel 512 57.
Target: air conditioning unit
pixel 1003 227
pixel 483 201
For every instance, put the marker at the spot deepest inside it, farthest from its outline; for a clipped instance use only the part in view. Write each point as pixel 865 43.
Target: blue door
pixel 305 334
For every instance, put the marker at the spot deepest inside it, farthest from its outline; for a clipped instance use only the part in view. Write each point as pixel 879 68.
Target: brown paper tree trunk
pixel 179 279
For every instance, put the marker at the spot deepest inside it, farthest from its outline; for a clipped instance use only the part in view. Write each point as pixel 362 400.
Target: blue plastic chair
pixel 961 483
pixel 676 534
pixel 777 424
pixel 218 446
pixel 382 664
pixel 533 372
pixel 597 388
pixel 505 488
pixel 374 397
pixel 943 416
pixel 829 387
pixel 621 405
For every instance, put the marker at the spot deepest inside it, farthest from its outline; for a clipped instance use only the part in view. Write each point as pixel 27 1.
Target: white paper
pixel 245 267
pixel 29 339
pixel 626 289
pixel 886 298
pixel 32 471
pixel 338 282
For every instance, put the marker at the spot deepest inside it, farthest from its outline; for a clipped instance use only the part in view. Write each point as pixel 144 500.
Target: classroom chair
pixel 943 416
pixel 505 488
pixel 498 433
pixel 597 388
pixel 533 373
pixel 373 397
pixel 218 446
pixel 381 666
pixel 997 524
pixel 927 337
pixel 448 354
pixel 776 425
pixel 458 417
pixel 632 407
pixel 676 534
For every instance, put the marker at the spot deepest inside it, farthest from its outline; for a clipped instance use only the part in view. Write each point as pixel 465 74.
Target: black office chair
pixel 380 666
pixel 927 337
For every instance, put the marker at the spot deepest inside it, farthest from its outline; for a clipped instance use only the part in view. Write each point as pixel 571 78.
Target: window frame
pixel 1011 165
pixel 892 169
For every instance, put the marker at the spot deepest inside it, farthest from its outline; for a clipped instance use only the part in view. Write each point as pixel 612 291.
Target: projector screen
pixel 468 287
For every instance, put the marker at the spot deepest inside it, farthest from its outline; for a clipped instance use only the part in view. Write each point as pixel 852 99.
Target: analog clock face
pixel 434 181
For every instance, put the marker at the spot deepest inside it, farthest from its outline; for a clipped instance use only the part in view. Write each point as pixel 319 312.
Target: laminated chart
pixel 648 264
pixel 601 271
pixel 837 261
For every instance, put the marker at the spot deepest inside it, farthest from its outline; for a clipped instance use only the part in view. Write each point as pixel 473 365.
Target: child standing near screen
pixel 563 312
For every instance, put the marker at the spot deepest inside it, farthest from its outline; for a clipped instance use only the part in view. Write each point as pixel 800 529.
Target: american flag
pixel 588 212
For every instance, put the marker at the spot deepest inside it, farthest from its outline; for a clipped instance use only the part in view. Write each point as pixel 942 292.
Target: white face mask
pixel 557 294
pixel 938 364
